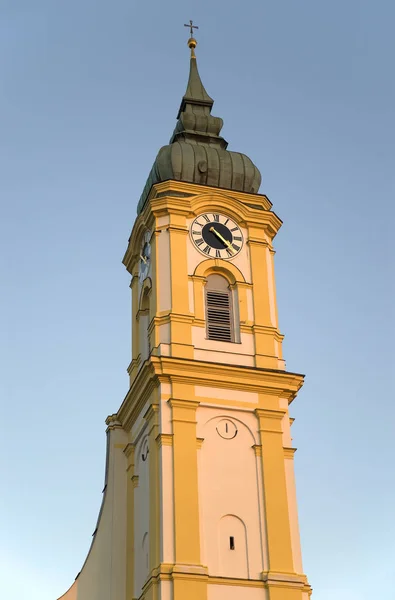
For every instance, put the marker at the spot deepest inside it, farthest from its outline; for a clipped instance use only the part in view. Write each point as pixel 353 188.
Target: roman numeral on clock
pixel 206 218
pixel 199 242
pixel 217 254
pixel 206 250
pixel 216 218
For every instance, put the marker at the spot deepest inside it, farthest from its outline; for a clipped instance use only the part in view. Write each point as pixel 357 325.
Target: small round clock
pixel 227 429
pixel 216 235
pixel 145 257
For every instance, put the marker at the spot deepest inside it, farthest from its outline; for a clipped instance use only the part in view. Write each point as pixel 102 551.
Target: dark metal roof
pixel 196 152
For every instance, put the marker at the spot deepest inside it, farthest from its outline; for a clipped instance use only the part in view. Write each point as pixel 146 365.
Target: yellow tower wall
pixel 179 485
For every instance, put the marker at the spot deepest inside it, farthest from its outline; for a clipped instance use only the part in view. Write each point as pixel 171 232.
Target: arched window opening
pixel 143 315
pixel 219 309
pixel 233 548
pixel 145 551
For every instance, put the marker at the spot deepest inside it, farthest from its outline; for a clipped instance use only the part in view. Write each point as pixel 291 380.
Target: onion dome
pixel 196 152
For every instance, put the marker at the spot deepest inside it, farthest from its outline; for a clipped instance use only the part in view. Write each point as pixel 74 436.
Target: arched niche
pixel 143 319
pixel 233 547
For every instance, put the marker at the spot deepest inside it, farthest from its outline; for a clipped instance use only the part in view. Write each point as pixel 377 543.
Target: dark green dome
pixel 196 152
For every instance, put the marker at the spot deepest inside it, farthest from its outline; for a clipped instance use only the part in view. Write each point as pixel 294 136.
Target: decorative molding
pixel 247 327
pixel 183 229
pixel 286 580
pixel 199 322
pixel 289 452
pixel 269 330
pixel 178 403
pixel 135 480
pixel 276 415
pixel 151 412
pixel 129 450
pixel 134 364
pixel 164 439
pixel 199 443
pixel 112 422
pixel 257 449
pixel 169 317
pixel 159 369
pixel 212 265
pixel 257 241
pixel 233 581
pixel 166 572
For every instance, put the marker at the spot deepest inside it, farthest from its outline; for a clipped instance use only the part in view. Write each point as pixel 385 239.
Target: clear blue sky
pixel 89 92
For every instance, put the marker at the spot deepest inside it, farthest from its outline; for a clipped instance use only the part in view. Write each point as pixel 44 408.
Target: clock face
pixel 227 429
pixel 145 257
pixel 216 235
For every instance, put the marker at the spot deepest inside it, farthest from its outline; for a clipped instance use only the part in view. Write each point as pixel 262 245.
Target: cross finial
pixel 191 27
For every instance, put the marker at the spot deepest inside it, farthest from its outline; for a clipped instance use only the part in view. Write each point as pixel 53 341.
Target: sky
pixel 89 92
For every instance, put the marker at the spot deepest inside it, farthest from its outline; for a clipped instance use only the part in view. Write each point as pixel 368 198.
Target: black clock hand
pixel 223 240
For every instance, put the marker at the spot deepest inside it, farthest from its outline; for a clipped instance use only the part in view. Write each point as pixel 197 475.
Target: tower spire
pixel 197 153
pixel 195 93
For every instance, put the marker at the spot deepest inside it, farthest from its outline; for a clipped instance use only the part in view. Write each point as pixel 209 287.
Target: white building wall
pixel 103 575
pixel 141 516
pixel 229 493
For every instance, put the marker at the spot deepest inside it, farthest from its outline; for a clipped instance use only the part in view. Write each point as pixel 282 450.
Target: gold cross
pixel 191 27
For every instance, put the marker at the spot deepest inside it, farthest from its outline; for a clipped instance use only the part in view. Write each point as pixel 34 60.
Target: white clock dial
pixel 145 257
pixel 216 235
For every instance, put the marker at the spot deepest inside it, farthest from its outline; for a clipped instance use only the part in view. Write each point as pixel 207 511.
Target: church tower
pixel 199 500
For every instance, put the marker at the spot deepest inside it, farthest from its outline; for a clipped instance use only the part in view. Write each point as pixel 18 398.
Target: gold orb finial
pixel 192 43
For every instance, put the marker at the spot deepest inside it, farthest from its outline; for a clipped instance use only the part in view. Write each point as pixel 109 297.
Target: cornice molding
pixel 257 449
pixel 167 369
pixel 257 241
pixel 276 415
pixel 164 439
pixel 178 228
pixel 268 330
pixel 129 451
pixel 185 199
pixel 242 583
pixel 169 571
pixel 139 393
pixel 112 423
pixel 285 580
pixel 151 412
pixel 134 364
pixel 183 403
pixel 170 317
pixel 270 421
pixel 289 452
pixel 247 327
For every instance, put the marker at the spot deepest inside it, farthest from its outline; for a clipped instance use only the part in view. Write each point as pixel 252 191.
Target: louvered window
pixel 219 314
